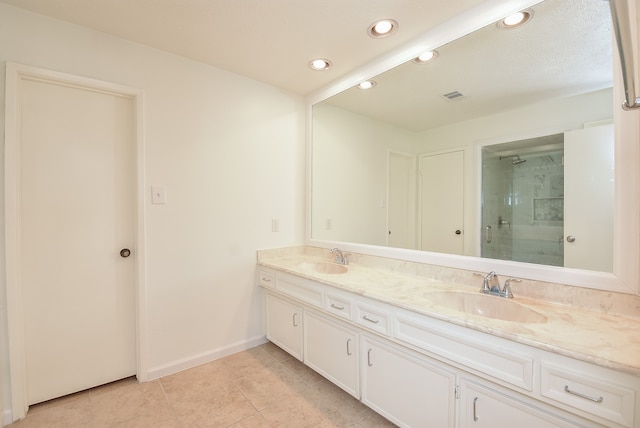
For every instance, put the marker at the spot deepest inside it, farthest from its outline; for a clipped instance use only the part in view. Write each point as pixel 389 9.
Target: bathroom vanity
pixel 432 353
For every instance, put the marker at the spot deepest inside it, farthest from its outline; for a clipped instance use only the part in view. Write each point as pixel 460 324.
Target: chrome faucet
pixel 342 259
pixel 491 285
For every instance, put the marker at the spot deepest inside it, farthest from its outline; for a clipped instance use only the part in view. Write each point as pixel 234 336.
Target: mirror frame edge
pixel 625 276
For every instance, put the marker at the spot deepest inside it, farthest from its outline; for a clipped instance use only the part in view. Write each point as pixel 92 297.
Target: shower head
pixel 516 161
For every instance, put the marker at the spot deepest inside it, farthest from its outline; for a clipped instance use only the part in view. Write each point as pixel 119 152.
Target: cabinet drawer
pixel 373 318
pixel 491 356
pixel 339 306
pixel 266 278
pixel 589 393
pixel 302 290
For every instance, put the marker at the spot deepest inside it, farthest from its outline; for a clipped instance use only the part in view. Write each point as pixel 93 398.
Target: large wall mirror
pixel 507 151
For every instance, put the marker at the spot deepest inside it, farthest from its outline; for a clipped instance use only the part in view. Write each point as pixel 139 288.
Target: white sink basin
pixel 325 267
pixel 486 306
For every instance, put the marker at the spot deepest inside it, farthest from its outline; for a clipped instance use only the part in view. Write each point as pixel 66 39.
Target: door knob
pixel 571 238
pixel 125 252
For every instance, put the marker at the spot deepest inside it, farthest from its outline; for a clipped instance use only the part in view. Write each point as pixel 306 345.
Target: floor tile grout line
pixel 171 408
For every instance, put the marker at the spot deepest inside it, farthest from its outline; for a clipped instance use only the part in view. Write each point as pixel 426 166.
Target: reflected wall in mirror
pixel 400 165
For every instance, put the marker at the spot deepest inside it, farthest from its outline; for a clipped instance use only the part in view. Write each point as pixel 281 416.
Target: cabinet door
pixel 482 406
pixel 410 392
pixel 331 349
pixel 284 324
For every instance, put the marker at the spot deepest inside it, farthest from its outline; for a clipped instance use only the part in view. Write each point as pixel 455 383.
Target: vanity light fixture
pixel 516 20
pixel 320 64
pixel 382 28
pixel 367 84
pixel 426 57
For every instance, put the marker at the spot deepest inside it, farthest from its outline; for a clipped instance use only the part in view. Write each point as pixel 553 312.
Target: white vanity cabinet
pixel 419 371
pixel 482 406
pixel 284 324
pixel 410 391
pixel 331 349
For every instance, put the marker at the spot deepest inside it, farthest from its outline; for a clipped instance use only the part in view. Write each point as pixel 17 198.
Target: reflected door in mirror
pixel 441 202
pixel 401 196
pixel 589 193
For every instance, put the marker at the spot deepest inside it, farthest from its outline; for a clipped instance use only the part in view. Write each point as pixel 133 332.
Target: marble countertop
pixel 611 341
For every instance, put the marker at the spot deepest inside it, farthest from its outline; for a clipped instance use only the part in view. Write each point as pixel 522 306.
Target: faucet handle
pixel 506 291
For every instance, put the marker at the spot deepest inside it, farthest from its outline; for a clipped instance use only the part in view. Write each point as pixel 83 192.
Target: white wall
pixel 230 152
pixel 350 155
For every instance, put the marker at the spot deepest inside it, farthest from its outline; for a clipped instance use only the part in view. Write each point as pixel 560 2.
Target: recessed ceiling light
pixel 426 57
pixel 516 20
pixel 320 64
pixel 367 84
pixel 382 28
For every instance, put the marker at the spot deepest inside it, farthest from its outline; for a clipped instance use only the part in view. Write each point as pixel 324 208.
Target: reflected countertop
pixel 608 340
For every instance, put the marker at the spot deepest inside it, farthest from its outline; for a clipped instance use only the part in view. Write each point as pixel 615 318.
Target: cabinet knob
pixel 571 238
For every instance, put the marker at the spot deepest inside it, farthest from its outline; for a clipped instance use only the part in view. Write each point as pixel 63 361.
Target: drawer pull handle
pixel 475 408
pixel 595 400
pixel 369 362
pixel 340 308
pixel 265 279
pixel 366 318
pixel 295 322
pixel 348 347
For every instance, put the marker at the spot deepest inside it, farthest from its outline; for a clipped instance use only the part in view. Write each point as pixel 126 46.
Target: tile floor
pixel 257 388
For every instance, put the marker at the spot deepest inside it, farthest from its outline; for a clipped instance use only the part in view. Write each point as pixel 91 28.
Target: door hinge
pixel 457 391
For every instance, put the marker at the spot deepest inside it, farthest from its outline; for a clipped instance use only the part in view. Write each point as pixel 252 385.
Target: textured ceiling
pixel 267 40
pixel 564 50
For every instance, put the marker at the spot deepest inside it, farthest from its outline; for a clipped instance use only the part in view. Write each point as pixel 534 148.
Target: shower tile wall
pixel 538 233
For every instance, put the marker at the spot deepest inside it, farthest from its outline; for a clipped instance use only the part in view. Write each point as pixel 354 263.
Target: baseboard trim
pixel 205 357
pixel 7 417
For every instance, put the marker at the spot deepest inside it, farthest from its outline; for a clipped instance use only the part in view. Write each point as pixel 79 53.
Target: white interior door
pixel 77 211
pixel 589 198
pixel 401 207
pixel 442 202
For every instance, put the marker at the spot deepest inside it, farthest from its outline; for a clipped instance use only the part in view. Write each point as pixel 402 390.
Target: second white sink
pixel 486 306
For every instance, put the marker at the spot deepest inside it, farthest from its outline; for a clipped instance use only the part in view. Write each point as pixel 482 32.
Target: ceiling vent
pixel 454 96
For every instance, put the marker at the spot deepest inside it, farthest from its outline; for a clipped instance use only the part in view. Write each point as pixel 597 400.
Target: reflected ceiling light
pixel 382 28
pixel 367 84
pixel 516 20
pixel 320 64
pixel 426 57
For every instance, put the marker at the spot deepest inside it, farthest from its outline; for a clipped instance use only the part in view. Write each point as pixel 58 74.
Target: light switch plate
pixel 158 195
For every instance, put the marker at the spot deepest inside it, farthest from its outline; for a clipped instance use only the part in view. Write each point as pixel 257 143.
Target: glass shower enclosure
pixel 523 201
